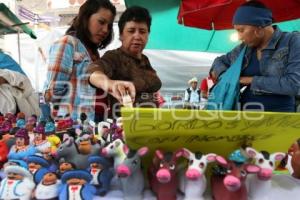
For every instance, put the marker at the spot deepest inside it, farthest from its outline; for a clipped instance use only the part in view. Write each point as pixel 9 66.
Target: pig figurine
pixel 193 180
pixel 162 174
pixel 131 175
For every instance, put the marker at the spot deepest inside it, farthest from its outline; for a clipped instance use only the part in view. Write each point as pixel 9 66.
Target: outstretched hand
pixel 119 89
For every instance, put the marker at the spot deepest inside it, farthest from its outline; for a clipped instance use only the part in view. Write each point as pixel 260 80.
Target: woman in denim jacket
pixel 270 76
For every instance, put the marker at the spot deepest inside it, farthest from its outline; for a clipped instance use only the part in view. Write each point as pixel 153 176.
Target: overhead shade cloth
pixel 167 34
pixel 10 23
pixel 218 14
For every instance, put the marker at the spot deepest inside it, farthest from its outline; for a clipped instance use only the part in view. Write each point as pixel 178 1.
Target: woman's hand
pixel 119 89
pixel 246 80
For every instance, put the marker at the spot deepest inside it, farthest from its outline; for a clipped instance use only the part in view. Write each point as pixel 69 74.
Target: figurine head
pixel 16 170
pixel 22 137
pixel 39 133
pixel 36 162
pixel 65 166
pixel 30 124
pixel 98 162
pixel 49 178
pixel 49 128
pixel 21 115
pixel 21 123
pixel 76 177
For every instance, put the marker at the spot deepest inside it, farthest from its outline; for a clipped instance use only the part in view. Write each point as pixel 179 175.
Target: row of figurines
pixel 165 174
pixel 78 145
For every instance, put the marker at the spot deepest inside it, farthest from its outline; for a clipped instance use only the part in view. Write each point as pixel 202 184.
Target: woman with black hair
pixel 67 84
pixel 126 71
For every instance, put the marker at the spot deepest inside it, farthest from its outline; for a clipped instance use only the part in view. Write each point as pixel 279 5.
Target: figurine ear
pixel 211 157
pixel 251 152
pixel 222 161
pixel 159 154
pixel 125 149
pixel 143 151
pixel 278 156
pixel 178 153
pixel 186 153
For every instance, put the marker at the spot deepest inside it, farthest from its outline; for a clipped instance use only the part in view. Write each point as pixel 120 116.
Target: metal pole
pixel 19 48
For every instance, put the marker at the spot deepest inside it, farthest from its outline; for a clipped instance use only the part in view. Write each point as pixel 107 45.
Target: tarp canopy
pixel 10 23
pixel 167 34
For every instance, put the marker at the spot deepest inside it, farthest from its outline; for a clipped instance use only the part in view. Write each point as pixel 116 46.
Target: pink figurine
pixel 163 176
pixel 260 185
pixel 231 184
pixel 193 182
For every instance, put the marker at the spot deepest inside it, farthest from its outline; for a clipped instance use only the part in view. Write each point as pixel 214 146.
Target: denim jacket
pixel 279 64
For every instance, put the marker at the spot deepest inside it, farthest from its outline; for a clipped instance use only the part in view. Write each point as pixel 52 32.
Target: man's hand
pixel 246 80
pixel 2 80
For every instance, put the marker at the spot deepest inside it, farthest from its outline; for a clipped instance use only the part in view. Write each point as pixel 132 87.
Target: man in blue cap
pixel 270 76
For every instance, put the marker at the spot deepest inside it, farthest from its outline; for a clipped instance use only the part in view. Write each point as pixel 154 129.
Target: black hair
pixel 136 14
pixel 79 24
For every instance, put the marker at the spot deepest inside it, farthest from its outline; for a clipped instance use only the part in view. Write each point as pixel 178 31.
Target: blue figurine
pixel 101 173
pixel 76 185
pixel 38 167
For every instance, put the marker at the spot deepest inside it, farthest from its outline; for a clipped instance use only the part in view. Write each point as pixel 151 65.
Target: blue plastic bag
pixel 225 94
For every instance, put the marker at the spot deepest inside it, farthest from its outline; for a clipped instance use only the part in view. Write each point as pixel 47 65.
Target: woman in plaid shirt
pixel 67 82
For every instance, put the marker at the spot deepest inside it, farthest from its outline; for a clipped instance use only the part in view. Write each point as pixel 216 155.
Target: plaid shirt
pixel 67 79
